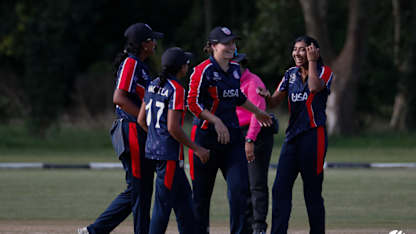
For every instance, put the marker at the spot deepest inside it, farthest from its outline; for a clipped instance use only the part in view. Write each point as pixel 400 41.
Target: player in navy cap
pixel 307 86
pixel 214 93
pixel 162 114
pixel 128 137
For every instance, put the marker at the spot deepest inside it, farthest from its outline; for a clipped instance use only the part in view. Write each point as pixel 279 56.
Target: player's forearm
pixel 141 119
pixel 120 98
pixel 250 107
pixel 179 135
pixel 314 83
pixel 211 118
pixel 275 99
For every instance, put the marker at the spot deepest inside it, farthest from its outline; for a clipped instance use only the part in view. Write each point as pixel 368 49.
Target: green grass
pixel 354 198
pixel 65 145
pixel 77 145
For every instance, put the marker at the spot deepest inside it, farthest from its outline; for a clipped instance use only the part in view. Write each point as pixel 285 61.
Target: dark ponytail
pixel 164 75
pixel 208 49
pixel 129 48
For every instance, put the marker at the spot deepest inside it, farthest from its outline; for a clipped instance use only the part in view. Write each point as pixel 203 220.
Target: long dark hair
pixel 131 48
pixel 208 49
pixel 308 41
pixel 164 75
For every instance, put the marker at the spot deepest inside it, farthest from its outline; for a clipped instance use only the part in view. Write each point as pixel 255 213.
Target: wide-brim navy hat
pixel 222 35
pixel 175 57
pixel 140 32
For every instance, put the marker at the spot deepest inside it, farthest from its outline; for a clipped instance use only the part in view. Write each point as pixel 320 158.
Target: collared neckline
pixel 218 67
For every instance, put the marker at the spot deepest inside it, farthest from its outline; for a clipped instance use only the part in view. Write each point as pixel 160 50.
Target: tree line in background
pixel 56 56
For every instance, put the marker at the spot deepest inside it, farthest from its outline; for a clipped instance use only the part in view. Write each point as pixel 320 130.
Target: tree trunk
pixel 398 117
pixel 346 66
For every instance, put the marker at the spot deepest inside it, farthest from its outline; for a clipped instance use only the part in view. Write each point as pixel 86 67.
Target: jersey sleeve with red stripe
pixel 326 75
pixel 126 74
pixel 177 100
pixel 197 83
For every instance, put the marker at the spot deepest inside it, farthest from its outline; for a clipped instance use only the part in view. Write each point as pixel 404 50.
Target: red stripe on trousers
pixel 134 150
pixel 170 172
pixel 320 149
pixel 191 153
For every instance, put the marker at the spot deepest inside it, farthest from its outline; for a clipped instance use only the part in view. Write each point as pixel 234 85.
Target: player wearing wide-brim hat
pixel 214 93
pixel 162 114
pixel 128 137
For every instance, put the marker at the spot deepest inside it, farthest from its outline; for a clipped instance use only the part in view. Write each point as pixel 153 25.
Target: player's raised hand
pixel 312 53
pixel 202 153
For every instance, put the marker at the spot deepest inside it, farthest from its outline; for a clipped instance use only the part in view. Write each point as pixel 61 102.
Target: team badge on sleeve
pixel 292 78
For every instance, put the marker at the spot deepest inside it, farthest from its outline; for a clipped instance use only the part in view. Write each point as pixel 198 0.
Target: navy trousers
pixel 305 154
pixel 136 198
pixel 231 160
pixel 173 191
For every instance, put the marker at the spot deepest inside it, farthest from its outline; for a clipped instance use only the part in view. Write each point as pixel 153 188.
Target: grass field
pixel 357 200
pixel 74 145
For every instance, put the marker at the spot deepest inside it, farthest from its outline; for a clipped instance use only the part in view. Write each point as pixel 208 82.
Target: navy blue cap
pixel 140 32
pixel 175 57
pixel 221 35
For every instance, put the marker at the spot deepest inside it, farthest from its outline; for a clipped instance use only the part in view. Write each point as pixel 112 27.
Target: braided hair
pixel 164 75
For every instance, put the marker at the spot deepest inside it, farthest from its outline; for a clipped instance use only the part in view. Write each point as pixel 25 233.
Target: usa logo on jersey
pixel 299 97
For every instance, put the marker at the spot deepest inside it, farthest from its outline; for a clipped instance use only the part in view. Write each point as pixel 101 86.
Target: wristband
pixel 248 140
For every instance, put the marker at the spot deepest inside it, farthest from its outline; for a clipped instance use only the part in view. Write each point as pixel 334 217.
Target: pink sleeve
pixel 257 100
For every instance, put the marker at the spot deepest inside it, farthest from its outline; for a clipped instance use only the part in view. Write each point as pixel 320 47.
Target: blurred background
pixel 56 86
pixel 56 56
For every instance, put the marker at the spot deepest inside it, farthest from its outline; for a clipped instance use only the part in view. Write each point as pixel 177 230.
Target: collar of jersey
pixel 130 55
pixel 218 67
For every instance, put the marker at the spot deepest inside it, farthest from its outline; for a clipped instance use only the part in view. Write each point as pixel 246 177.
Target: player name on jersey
pixel 161 91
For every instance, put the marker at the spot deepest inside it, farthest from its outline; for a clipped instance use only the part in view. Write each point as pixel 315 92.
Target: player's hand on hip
pixel 203 154
pixel 222 132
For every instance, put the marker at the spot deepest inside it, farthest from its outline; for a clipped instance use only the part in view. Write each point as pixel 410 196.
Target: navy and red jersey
pixel 217 91
pixel 132 77
pixel 160 145
pixel 306 110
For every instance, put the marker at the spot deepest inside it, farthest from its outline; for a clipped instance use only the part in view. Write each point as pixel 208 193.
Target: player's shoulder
pixel 154 82
pixel 326 68
pixel 292 69
pixel 234 64
pixel 174 84
pixel 203 65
